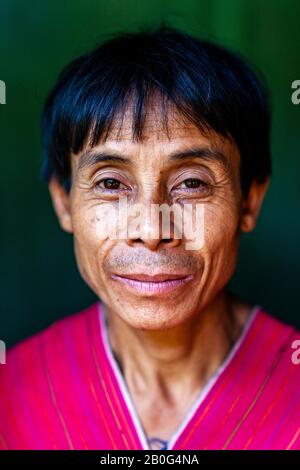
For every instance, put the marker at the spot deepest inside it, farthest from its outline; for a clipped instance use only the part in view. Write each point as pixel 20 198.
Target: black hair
pixel 210 86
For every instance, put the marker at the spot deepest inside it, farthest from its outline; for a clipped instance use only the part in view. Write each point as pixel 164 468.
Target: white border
pixel 203 394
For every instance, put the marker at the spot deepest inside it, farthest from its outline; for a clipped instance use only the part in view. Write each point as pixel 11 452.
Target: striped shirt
pixel 63 389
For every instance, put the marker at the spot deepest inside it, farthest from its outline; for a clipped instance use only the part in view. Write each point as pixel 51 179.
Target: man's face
pixel 157 170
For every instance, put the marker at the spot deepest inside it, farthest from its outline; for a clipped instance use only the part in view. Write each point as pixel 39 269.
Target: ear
pixel 252 205
pixel 61 203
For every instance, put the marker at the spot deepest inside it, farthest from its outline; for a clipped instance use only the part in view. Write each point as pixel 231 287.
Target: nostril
pixel 170 242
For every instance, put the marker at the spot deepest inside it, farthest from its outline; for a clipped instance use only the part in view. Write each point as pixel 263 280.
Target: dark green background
pixel 39 280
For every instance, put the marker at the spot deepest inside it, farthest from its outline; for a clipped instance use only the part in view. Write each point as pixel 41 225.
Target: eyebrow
pixel 91 157
pixel 205 153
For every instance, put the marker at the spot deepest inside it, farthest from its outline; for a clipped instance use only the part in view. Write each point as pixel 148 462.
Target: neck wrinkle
pixel 145 361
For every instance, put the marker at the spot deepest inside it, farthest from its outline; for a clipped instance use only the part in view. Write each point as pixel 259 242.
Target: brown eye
pixel 109 183
pixel 194 187
pixel 193 183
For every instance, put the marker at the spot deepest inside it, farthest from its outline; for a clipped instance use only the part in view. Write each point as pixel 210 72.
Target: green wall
pixel 39 280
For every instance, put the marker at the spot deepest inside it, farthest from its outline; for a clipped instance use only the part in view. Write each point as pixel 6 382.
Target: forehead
pixel 160 122
pixel 164 131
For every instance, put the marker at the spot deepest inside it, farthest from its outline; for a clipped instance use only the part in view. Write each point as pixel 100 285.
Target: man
pixel 169 358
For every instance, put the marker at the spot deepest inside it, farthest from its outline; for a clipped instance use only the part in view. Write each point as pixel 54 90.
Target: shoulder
pixel 275 336
pixel 274 371
pixel 25 360
pixel 271 324
pixel 37 374
pixel 270 359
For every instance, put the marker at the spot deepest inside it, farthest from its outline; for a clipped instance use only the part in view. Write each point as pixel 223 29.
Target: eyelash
pixel 97 185
pixel 204 186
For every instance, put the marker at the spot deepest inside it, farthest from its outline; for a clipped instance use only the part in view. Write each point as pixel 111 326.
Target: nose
pixel 153 233
pixel 153 244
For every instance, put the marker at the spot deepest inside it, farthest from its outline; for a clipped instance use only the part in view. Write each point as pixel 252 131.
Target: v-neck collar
pixel 205 392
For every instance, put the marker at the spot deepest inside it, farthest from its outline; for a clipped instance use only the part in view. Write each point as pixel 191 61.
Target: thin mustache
pixel 138 263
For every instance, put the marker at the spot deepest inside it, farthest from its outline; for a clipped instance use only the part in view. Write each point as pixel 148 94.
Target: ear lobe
pixel 252 205
pixel 61 204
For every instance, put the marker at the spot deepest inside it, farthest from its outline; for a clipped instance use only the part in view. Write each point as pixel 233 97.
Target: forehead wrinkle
pixel 192 137
pixel 152 131
pixel 160 120
pixel 206 151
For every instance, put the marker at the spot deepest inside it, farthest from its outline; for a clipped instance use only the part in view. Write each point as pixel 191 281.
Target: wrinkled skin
pixel 166 343
pixel 151 178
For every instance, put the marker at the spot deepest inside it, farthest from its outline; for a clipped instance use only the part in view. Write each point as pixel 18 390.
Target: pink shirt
pixel 62 389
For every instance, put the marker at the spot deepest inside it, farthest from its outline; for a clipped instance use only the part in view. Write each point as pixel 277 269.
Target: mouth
pixel 152 284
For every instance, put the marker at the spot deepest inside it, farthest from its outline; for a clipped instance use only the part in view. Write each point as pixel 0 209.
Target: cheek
pixel 93 224
pixel 220 229
pixel 220 248
pixel 88 246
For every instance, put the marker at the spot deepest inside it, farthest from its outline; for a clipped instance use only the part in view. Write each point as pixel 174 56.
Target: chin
pixel 152 318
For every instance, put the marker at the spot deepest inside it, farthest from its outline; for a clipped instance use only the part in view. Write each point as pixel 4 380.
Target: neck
pixel 181 359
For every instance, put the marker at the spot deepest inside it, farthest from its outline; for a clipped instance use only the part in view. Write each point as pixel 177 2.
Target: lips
pixel 152 284
pixel 153 278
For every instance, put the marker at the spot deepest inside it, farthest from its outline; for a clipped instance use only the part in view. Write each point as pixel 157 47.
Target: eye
pixel 194 187
pixel 192 183
pixel 110 184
